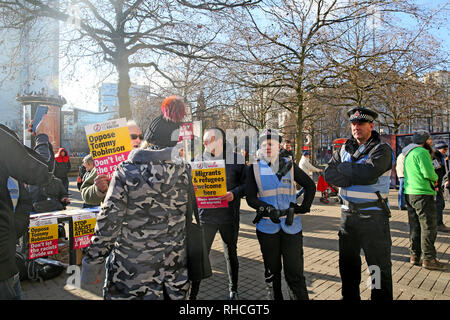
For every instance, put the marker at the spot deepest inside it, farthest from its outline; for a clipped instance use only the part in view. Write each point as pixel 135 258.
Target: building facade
pixel 29 76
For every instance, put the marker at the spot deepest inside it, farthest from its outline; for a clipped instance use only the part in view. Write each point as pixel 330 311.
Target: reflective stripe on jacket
pixel 364 193
pixel 277 193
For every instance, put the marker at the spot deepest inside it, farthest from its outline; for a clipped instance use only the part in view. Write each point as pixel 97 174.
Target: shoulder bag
pixel 199 266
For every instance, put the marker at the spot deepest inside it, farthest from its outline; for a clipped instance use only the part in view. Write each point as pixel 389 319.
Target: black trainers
pixel 233 295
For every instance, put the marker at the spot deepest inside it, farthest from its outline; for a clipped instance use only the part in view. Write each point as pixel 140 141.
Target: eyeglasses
pixel 135 136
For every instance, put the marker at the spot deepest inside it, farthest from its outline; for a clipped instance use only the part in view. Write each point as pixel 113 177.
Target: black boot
pixel 233 295
pixel 195 288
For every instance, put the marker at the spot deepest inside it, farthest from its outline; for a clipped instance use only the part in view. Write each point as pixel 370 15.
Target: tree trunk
pixel 312 146
pixel 123 88
pixel 299 128
pixel 299 122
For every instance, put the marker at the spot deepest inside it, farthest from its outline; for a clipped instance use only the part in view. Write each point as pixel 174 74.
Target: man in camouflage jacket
pixel 141 228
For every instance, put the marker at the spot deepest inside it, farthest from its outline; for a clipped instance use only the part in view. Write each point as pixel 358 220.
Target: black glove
pixel 333 176
pixel 284 168
pixel 273 214
pixel 300 209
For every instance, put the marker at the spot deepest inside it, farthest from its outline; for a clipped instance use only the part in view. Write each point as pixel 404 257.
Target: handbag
pixel 199 266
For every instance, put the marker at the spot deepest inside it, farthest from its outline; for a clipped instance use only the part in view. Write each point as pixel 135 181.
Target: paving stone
pixel 320 262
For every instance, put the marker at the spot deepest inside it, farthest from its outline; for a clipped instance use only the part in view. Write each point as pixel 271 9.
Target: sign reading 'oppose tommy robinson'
pixel 109 143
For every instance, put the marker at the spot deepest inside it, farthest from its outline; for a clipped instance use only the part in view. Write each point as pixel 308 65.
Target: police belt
pixel 281 213
pixel 284 215
pixel 356 208
pixel 266 216
pixel 288 213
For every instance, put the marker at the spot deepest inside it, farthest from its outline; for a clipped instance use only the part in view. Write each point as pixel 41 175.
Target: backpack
pixel 38 269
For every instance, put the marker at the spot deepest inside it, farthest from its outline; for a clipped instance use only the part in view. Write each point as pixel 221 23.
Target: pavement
pixel 320 243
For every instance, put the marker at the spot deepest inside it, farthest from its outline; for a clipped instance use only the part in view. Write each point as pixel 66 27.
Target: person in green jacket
pixel 420 180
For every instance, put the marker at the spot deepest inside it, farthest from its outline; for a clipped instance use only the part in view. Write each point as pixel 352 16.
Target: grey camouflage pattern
pixel 141 227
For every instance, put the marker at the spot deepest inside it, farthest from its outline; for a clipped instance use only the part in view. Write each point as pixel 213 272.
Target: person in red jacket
pixel 62 167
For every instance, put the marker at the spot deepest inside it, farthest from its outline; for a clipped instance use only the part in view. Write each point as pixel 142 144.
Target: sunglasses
pixel 135 136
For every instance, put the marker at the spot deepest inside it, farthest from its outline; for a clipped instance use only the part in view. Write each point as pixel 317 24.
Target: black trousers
pixel 65 182
pixel 284 250
pixel 372 234
pixel 229 234
pixel 440 206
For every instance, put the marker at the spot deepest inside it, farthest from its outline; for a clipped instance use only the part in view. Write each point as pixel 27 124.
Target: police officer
pixel 362 170
pixel 271 191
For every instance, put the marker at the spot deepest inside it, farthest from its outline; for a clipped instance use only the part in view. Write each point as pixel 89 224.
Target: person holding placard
pixel 94 187
pixel 223 219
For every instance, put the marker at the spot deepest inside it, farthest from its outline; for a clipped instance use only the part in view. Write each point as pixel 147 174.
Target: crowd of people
pixel 140 236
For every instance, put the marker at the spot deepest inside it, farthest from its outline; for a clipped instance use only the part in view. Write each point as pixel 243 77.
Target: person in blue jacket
pixel 271 190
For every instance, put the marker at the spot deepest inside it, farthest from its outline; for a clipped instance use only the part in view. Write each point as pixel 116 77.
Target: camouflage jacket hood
pixel 149 155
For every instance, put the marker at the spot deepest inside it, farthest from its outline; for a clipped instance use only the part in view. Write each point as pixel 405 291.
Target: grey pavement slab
pixel 320 228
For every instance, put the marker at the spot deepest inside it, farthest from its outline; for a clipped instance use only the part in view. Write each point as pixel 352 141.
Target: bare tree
pixel 128 34
pixel 373 62
pixel 284 38
pixel 304 46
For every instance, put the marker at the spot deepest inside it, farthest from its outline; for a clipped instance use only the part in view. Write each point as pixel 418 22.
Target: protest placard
pixel 211 184
pixel 43 238
pixel 109 143
pixel 83 229
pixel 186 131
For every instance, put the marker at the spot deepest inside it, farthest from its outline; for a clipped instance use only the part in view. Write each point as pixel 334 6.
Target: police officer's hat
pixel 269 134
pixel 360 114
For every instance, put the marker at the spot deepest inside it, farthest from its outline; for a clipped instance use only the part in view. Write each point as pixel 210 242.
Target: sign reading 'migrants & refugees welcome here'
pixel 210 183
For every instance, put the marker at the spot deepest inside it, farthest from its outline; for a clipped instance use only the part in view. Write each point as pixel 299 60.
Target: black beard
pixel 429 147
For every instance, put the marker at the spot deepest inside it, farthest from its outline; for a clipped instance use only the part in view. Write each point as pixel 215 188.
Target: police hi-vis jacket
pixel 361 171
pixel 277 193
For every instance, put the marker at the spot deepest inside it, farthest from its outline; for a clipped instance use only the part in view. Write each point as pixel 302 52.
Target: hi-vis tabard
pixel 365 193
pixel 277 193
pixel 13 187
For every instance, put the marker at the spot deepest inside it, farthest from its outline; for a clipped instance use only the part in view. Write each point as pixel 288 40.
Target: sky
pixel 443 32
pixel 82 92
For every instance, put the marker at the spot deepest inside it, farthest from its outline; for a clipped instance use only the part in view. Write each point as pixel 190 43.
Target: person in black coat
pixel 440 164
pixel 224 220
pixel 24 166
